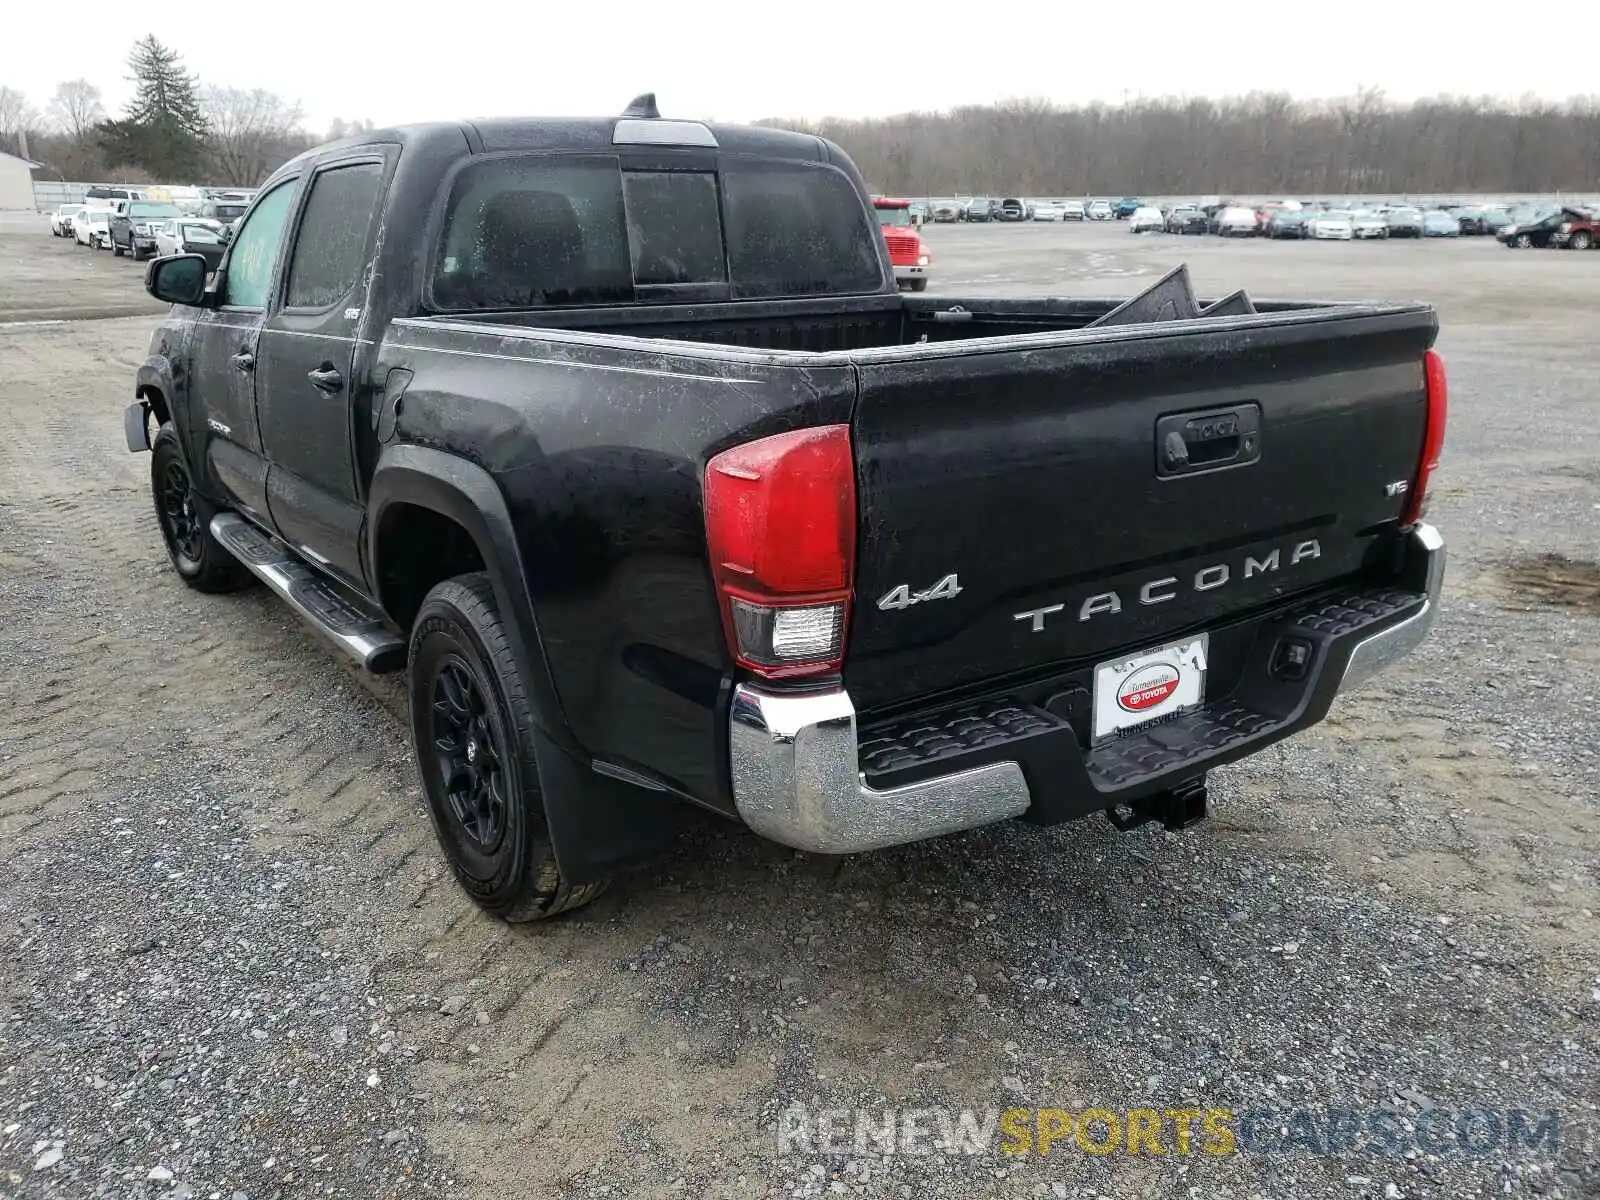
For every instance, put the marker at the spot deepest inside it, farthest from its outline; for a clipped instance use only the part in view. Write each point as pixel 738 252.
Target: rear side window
pixel 534 231
pixel 331 248
pixel 796 229
pixel 522 232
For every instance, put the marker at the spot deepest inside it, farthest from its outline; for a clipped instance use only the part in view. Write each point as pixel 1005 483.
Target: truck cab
pixel 907 254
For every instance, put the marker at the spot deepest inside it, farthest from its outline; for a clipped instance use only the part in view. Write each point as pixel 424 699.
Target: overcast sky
pixel 811 58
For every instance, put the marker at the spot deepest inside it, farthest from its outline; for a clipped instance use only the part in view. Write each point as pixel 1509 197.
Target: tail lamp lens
pixel 781 530
pixel 1438 404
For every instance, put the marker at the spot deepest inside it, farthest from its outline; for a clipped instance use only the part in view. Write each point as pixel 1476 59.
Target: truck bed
pixel 832 325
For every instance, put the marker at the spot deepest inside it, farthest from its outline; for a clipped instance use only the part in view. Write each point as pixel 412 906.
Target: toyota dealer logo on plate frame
pixel 1148 687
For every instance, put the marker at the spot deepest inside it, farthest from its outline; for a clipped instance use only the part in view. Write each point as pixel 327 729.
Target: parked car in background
pixel 979 209
pixel 1012 209
pixel 133 230
pixel 191 235
pixel 1331 226
pixel 1533 232
pixel 1146 220
pixel 1129 205
pixel 1579 229
pixel 61 220
pixel 1235 221
pixel 1047 210
pixel 1478 222
pixel 1073 210
pixel 92 227
pixel 1368 226
pixel 1438 223
pixel 944 212
pixel 1404 222
pixel 224 212
pixel 907 254
pixel 1100 210
pixel 104 193
pixel 1286 223
pixel 1494 220
pixel 1186 218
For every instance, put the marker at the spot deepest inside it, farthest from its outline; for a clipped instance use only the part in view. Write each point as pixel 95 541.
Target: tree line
pixel 176 129
pixel 1255 144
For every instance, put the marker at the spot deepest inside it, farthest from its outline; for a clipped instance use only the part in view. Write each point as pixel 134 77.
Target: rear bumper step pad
pixel 900 752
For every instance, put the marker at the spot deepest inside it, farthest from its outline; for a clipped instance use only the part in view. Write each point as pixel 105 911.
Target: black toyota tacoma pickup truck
pixel 618 439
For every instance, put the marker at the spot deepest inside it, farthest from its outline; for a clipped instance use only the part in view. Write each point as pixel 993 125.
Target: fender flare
pixel 597 824
pixel 460 489
pixel 155 375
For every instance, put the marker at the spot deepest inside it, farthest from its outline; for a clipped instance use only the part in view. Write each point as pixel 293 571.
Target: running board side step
pixel 347 620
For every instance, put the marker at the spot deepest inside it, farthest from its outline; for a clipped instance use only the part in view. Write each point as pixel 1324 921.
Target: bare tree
pixel 75 109
pixel 16 114
pixel 251 132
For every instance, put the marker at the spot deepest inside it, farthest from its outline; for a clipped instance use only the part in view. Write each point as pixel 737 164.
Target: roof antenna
pixel 642 105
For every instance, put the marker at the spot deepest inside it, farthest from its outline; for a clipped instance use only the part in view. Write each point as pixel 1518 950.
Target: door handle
pixel 244 361
pixel 326 379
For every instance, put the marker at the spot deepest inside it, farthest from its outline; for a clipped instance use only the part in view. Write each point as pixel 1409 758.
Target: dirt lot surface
pixel 234 965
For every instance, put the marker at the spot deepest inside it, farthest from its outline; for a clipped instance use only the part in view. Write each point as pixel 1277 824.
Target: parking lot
pixel 235 963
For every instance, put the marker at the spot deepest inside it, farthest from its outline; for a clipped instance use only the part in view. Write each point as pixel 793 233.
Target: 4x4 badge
pixel 903 597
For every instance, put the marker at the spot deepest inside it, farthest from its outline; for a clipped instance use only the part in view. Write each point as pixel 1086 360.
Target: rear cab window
pixel 540 230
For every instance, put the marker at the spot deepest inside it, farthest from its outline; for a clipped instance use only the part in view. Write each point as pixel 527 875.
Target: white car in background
pixel 92 227
pixel 1237 221
pixel 171 236
pixel 1047 210
pixel 1146 220
pixel 61 220
pixel 1073 210
pixel 1331 226
pixel 1099 210
pixel 1367 225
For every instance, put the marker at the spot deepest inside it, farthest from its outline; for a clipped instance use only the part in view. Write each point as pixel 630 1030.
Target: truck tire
pixel 472 731
pixel 917 285
pixel 1581 240
pixel 185 521
pixel 116 249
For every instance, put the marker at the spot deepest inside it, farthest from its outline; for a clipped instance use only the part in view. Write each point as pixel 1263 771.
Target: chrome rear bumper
pixel 795 756
pixel 797 780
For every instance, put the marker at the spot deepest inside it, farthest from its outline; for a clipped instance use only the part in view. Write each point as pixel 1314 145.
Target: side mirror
pixel 180 279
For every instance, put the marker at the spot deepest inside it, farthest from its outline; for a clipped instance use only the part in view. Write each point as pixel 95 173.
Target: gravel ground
pixel 235 966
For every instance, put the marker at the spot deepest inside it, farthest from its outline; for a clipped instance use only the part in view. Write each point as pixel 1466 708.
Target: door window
pixel 330 251
pixel 255 249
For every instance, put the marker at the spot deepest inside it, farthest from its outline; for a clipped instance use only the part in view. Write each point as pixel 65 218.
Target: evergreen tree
pixel 165 112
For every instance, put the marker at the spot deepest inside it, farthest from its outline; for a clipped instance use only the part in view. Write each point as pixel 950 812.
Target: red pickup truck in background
pixel 907 254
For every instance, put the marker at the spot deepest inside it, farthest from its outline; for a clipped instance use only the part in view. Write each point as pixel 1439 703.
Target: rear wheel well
pixel 416 549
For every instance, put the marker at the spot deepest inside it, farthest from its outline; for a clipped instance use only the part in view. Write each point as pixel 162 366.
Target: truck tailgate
pixel 1103 491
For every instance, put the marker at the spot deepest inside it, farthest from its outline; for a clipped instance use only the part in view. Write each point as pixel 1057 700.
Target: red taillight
pixel 1438 392
pixel 781 532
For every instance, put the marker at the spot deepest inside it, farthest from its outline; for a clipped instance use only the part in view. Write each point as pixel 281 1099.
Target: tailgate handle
pixel 1208 440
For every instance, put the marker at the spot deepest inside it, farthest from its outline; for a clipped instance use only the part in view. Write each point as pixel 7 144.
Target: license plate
pixel 1149 686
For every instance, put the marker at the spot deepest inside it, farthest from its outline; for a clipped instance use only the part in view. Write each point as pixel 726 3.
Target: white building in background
pixel 16 182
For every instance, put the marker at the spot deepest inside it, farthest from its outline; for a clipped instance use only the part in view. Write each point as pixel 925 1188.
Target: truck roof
pixel 500 134
pixel 886 202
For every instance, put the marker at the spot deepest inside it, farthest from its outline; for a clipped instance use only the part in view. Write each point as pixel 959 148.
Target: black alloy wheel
pixel 179 519
pixel 468 754
pixel 185 520
pixel 476 750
